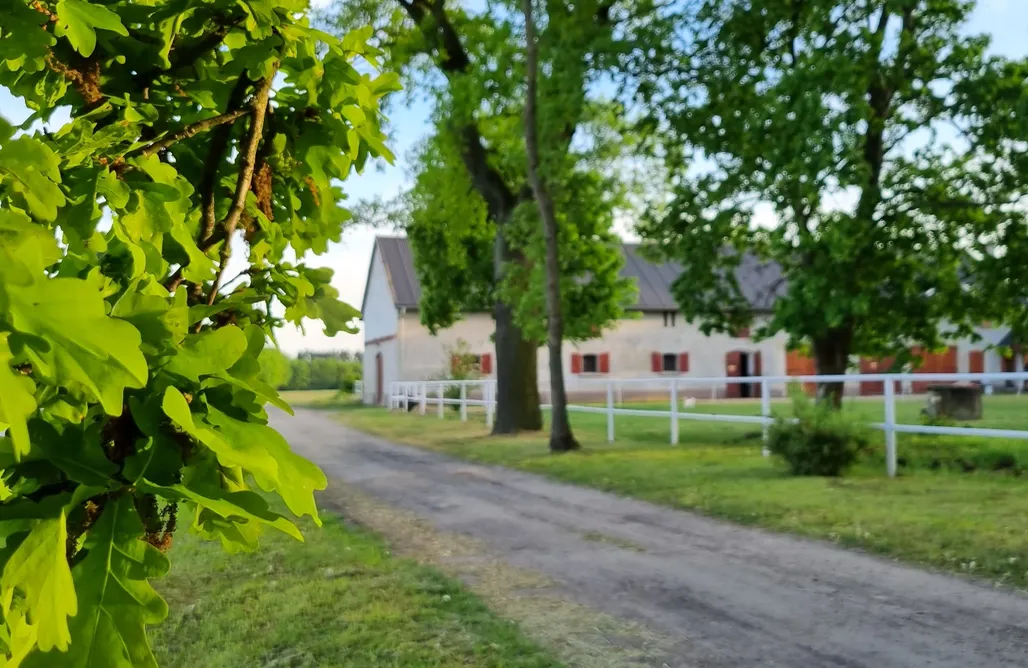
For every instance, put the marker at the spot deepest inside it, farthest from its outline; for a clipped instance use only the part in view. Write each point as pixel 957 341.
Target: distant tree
pixel 996 191
pixel 833 117
pixel 561 437
pixel 299 374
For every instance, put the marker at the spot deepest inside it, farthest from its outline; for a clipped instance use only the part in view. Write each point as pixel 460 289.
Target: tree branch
pixel 246 169
pixel 209 181
pixel 194 129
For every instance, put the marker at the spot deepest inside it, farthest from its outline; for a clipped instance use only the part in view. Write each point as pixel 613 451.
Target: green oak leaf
pixel 78 21
pixel 39 570
pixel 208 353
pixel 90 352
pixel 230 451
pixel 17 402
pixel 115 600
pixel 296 478
pixel 255 447
pixel 16 228
pixel 236 506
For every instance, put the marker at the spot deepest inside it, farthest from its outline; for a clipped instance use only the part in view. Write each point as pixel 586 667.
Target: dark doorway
pixel 378 379
pixel 745 371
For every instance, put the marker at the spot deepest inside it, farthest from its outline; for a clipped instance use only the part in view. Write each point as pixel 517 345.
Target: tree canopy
pixel 832 123
pixel 199 135
pixel 477 246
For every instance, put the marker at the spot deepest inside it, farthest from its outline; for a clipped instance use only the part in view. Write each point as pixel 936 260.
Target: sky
pixel 1005 20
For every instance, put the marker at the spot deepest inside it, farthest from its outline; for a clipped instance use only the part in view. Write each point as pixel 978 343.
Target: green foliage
pixel 464 365
pixel 819 441
pixel 133 370
pixel 830 117
pixel 323 371
pixel 275 369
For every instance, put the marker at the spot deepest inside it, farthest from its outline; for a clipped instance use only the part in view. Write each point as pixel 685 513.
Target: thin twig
pixel 194 129
pixel 246 168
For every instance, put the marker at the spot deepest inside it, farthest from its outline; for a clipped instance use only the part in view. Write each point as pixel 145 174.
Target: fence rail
pixel 421 394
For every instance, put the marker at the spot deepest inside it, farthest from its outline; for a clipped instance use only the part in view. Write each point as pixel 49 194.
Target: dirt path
pixel 714 594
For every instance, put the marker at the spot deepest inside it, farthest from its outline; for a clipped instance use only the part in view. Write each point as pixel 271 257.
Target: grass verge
pixel 339 599
pixel 935 515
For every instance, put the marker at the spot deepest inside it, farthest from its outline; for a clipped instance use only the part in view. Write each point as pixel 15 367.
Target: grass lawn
pixel 934 513
pixel 337 600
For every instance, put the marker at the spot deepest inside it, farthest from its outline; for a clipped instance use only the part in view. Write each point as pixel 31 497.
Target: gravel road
pixel 726 595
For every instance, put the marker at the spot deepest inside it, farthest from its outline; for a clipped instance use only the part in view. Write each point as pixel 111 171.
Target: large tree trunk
pixel 517 380
pixel 561 438
pixel 832 357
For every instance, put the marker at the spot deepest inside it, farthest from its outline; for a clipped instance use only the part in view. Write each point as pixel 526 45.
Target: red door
pixel 733 369
pixel 875 388
pixel 378 379
pixel 758 371
pixel 944 362
pixel 798 364
pixel 976 361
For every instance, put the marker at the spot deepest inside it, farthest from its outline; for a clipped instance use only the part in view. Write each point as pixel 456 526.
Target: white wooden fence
pixel 421 394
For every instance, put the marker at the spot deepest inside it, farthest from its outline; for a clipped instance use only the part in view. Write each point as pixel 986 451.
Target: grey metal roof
pixel 760 282
pixel 399 263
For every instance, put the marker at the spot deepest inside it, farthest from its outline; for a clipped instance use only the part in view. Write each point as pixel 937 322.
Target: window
pixel 590 363
pixel 669 316
pixel 669 362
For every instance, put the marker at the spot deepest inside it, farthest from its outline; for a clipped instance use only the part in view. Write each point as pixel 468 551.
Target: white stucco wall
pixel 380 316
pixel 390 369
pixel 632 342
pixel 630 345
pixel 424 356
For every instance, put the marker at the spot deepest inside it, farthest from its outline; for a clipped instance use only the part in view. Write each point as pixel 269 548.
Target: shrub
pixel 819 441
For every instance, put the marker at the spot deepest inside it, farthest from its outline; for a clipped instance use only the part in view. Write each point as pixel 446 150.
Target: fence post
pixel 610 412
pixel 463 401
pixel 442 396
pixel 890 428
pixel 765 410
pixel 487 396
pixel 424 398
pixel 406 397
pixel 674 412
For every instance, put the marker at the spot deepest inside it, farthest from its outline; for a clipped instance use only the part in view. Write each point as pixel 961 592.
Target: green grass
pixel 934 513
pixel 339 599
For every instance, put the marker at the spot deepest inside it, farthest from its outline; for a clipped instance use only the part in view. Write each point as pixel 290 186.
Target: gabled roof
pixel 761 282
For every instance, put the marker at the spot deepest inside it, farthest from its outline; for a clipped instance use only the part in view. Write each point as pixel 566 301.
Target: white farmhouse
pixel 655 342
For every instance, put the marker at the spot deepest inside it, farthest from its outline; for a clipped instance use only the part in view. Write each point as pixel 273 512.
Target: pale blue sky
pixel 1005 20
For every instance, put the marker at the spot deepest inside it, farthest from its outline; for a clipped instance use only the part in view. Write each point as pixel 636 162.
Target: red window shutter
pixel 576 363
pixel 976 361
pixel 683 363
pixel 743 333
pixel 604 362
pixel 487 363
pixel 655 362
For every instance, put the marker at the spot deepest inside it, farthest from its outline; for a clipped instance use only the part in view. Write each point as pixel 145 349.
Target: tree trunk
pixel 561 437
pixel 517 380
pixel 832 357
